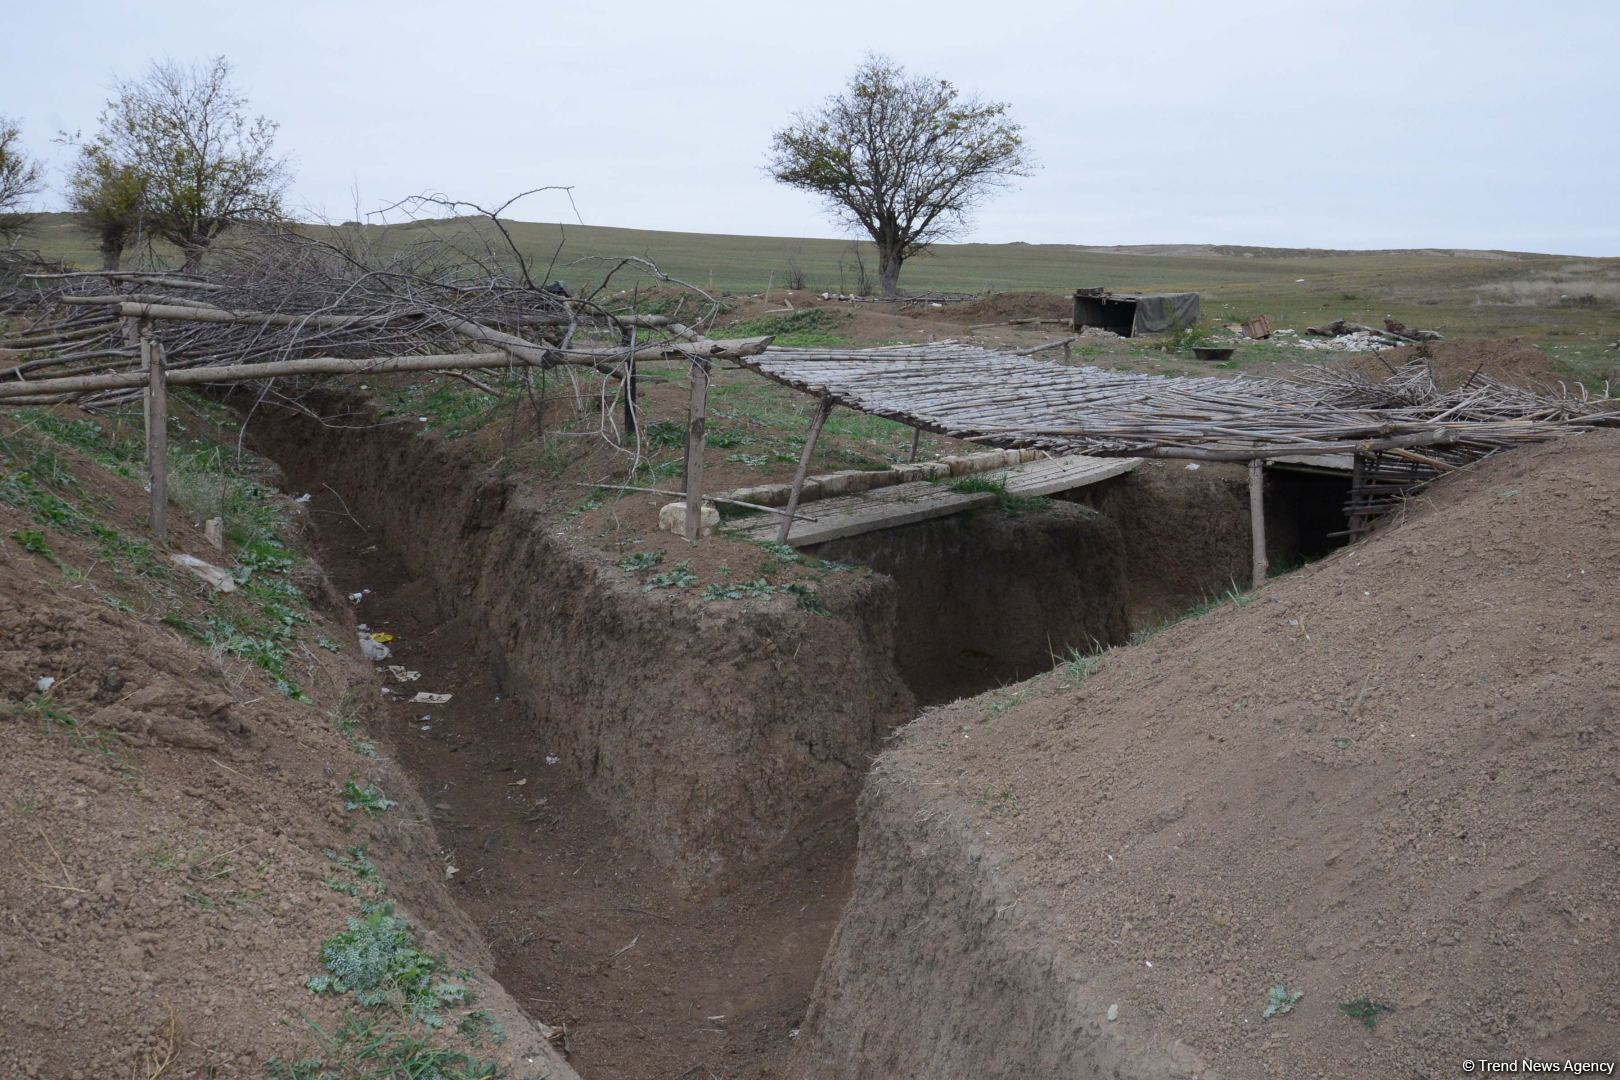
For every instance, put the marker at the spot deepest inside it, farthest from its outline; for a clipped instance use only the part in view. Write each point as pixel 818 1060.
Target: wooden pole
pixel 916 441
pixel 630 395
pixel 1358 479
pixel 157 435
pixel 1257 518
pixel 697 419
pixel 804 466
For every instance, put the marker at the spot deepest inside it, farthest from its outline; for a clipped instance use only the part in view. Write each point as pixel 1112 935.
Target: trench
pixel 564 842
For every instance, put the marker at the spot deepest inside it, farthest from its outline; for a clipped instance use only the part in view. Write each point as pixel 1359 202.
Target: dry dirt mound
pixel 1506 359
pixel 1388 780
pixel 173 824
pixel 999 306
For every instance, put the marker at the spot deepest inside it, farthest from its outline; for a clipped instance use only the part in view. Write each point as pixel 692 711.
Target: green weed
pixel 1365 1009
pixel 641 560
pixel 679 576
pixel 370 1048
pixel 377 958
pixel 1280 1001
pixel 997 486
pixel 369 798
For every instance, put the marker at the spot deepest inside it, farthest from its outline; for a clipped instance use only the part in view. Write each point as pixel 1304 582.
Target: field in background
pixel 1568 305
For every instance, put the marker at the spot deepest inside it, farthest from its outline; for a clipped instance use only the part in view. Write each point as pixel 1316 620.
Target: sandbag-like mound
pixel 1388 782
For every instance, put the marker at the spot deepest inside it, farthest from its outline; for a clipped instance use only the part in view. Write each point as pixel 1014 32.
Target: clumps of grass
pixel 363 875
pixel 665 434
pixel 378 959
pixel 997 486
pixel 371 1048
pixel 1004 802
pixel 369 798
pixel 1233 595
pixel 641 560
pixel 347 720
pixel 810 326
pixel 679 576
pixel 1280 1001
pixel 1366 1010
pixel 32 541
pixel 807 597
pixel 1076 667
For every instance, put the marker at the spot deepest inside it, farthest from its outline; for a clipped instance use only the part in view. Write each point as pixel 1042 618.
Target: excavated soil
pixel 1388 779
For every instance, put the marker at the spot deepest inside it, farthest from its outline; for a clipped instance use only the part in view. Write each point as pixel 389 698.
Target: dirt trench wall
pixel 707 733
pixel 934 970
pixel 989 598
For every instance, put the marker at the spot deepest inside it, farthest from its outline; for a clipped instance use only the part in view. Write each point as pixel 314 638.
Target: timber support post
pixel 916 441
pixel 697 420
pixel 1257 518
pixel 822 413
pixel 157 433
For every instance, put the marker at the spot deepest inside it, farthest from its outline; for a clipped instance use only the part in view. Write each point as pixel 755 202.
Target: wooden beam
pixel 1257 518
pixel 916 441
pixel 157 435
pixel 822 412
pixel 697 422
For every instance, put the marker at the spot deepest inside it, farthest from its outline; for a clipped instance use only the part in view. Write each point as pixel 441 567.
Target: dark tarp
pixel 1129 314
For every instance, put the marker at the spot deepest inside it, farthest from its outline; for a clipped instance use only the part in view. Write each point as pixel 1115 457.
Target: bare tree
pixel 202 162
pixel 111 197
pixel 905 158
pixel 20 178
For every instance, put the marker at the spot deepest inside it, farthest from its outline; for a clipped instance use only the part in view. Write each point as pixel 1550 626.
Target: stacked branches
pixel 282 294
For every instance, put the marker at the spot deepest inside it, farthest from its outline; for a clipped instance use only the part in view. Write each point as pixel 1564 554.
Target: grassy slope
pixel 1457 292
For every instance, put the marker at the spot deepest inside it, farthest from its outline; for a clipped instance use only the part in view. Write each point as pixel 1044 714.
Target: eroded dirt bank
pixel 708 733
pixel 1385 783
pixel 989 598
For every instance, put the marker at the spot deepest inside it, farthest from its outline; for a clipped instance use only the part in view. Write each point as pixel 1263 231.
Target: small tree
pixel 183 136
pixel 20 178
pixel 904 158
pixel 111 197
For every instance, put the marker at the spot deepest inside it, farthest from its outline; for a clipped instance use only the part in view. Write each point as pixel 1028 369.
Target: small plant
pixel 1001 802
pixel 1365 1009
pixel 997 486
pixel 725 439
pixel 641 560
pixel 1280 1001
pixel 665 434
pixel 679 576
pixel 367 1048
pixel 809 600
pixel 377 959
pixel 368 798
pixel 1077 667
pixel 32 541
pixel 759 588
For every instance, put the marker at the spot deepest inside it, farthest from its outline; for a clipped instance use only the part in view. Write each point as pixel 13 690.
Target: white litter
pixel 45 683
pixel 402 674
pixel 424 698
pixel 552 759
pixel 373 650
pixel 1113 1012
pixel 214 576
pixel 304 498
pixel 356 597
pixel 1192 466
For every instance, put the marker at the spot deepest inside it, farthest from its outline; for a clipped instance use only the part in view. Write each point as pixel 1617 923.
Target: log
pixel 333 365
pixel 1257 519
pixel 157 436
pixel 822 412
pixel 697 420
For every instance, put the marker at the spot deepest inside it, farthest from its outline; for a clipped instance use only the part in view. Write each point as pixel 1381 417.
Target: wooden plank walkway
pixel 906 504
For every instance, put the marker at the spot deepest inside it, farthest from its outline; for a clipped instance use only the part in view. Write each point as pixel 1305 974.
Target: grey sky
pixel 1309 123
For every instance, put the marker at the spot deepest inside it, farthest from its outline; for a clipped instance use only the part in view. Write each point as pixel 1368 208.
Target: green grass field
pixel 1568 305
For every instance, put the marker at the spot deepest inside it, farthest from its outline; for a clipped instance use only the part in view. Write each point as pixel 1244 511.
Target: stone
pixel 672 519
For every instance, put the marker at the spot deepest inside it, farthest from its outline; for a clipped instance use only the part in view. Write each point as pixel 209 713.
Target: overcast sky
pixel 1305 123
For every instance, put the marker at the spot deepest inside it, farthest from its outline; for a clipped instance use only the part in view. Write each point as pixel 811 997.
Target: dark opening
pixel 1108 313
pixel 1304 511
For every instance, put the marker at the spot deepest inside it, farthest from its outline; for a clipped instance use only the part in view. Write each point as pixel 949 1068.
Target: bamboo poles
pixel 823 411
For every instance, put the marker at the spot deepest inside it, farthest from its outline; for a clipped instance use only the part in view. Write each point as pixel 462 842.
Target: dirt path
pixel 587 932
